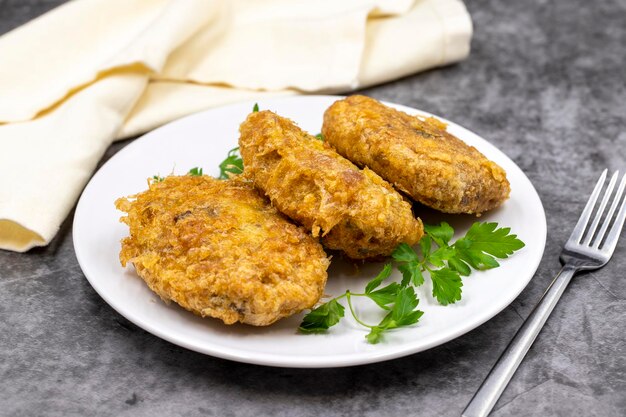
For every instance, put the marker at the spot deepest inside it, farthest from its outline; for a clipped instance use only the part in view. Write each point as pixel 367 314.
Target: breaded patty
pixel 354 210
pixel 416 154
pixel 219 249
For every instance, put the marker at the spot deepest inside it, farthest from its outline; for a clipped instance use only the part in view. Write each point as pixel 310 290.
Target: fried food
pixel 219 249
pixel 416 154
pixel 354 210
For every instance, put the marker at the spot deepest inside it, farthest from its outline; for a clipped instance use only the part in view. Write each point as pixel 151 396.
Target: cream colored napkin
pixel 93 71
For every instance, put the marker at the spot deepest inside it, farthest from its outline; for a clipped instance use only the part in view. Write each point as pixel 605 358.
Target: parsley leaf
pixel 409 263
pixel 383 275
pixel 404 253
pixel 441 233
pixel 375 335
pixel 233 164
pixel 385 295
pixel 255 108
pixel 157 178
pixel 443 253
pixel 411 273
pixel 474 257
pixel 446 285
pixel 456 264
pixel 403 313
pixel 323 317
pixel 485 237
pixel 426 243
pixel 195 172
pixel 319 136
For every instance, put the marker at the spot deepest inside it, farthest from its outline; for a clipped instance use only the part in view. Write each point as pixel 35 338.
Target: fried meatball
pixel 219 249
pixel 416 154
pixel 354 210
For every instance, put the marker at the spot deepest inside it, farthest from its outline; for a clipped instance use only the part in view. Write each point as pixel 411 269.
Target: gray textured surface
pixel 546 84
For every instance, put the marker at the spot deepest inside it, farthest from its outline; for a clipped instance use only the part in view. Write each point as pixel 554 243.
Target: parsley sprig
pixel 195 172
pixel 401 304
pixel 233 164
pixel 444 263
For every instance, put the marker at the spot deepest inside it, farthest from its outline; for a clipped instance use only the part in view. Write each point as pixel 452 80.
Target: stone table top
pixel 545 83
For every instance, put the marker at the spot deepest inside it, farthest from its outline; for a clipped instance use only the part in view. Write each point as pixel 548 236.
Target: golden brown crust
pixel 417 155
pixel 354 210
pixel 219 249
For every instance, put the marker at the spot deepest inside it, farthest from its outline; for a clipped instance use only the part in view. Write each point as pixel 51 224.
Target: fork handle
pixel 502 372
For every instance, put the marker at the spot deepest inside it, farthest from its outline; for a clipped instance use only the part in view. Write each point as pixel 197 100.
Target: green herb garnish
pixel 195 172
pixel 445 263
pixel 233 164
pixel 156 178
pixel 255 108
pixel 320 137
pixel 400 302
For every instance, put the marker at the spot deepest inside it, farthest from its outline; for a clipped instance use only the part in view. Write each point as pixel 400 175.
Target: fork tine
pixel 605 199
pixel 578 231
pixel 611 240
pixel 609 216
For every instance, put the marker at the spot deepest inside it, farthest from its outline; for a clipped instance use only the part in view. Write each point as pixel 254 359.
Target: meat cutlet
pixel 219 249
pixel 354 210
pixel 416 154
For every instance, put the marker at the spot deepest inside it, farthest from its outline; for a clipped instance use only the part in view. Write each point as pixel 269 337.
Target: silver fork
pixel 584 250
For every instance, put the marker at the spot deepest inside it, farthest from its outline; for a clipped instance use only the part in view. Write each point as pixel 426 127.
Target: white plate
pixel 203 140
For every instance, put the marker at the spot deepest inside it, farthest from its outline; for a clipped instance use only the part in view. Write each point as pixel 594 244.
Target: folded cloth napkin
pixel 93 71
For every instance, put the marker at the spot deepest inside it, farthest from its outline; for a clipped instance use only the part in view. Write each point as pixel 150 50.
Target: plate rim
pixel 341 360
